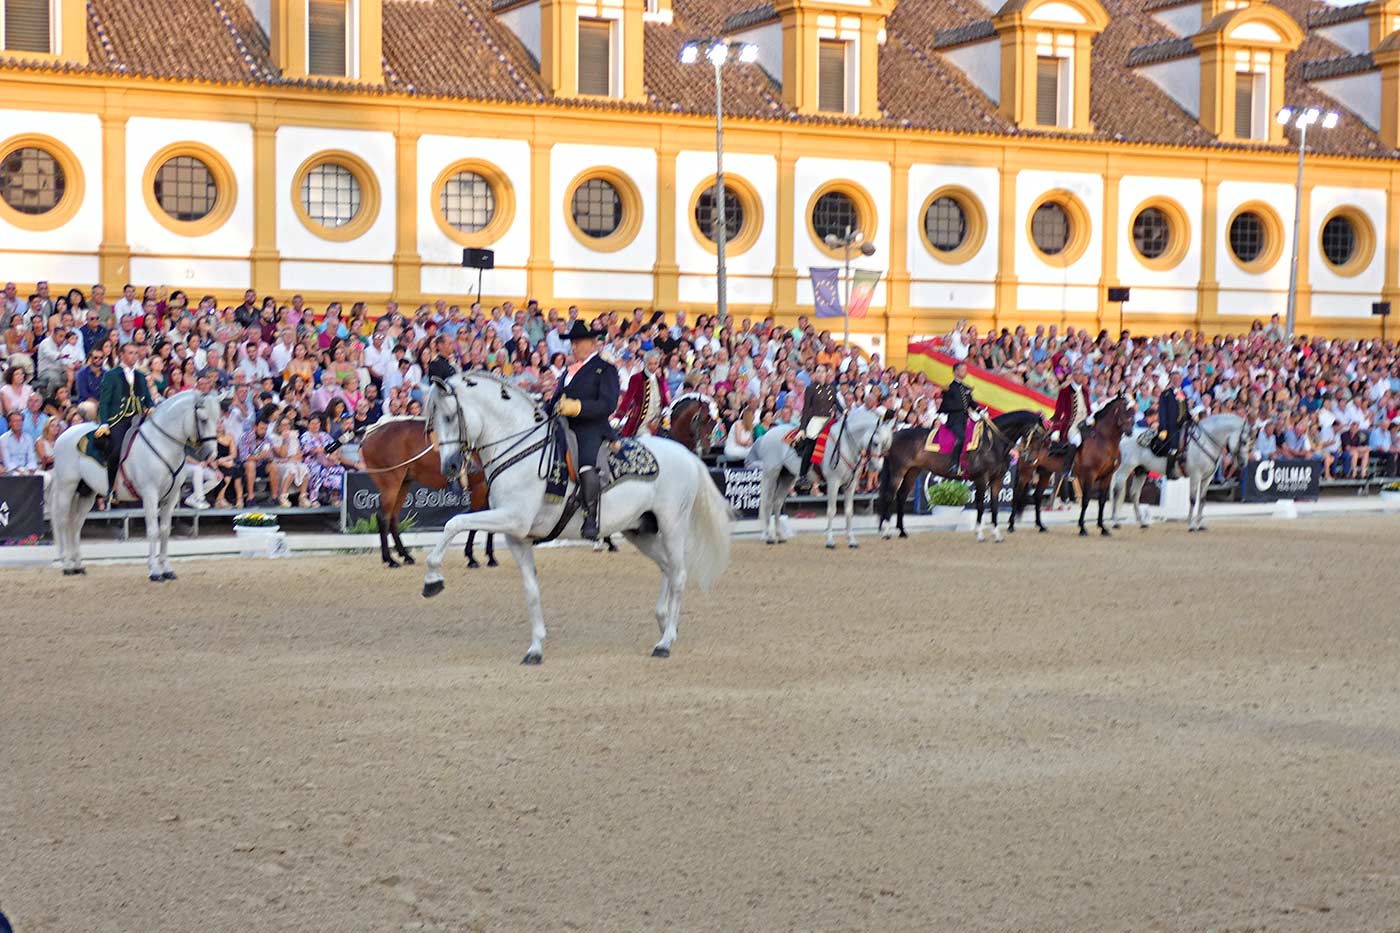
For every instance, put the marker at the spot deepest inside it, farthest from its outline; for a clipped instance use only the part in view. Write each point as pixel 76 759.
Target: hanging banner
pixel 742 487
pixel 22 510
pixel 826 291
pixel 1271 480
pixel 862 291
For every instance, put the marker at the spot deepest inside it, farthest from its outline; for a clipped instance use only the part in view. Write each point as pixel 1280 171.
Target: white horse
pixel 152 472
pixel 1207 443
pixel 679 519
pixel 855 438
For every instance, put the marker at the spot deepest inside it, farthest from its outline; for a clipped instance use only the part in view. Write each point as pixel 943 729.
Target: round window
pixel 468 202
pixel 185 188
pixel 331 194
pixel 31 180
pixel 1152 233
pixel 945 224
pixel 1248 237
pixel 707 213
pixel 597 208
pixel 1050 228
pixel 1339 240
pixel 834 214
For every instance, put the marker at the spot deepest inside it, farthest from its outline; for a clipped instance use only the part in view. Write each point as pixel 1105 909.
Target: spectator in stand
pixel 15 393
pixel 256 454
pixel 318 451
pixel 286 445
pixel 1356 451
pixel 1382 443
pixel 17 454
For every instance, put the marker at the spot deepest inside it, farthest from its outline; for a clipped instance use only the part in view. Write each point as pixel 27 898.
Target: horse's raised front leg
pixel 1139 482
pixel 768 491
pixel 900 493
pixel 501 521
pixel 525 556
pixel 78 511
pixel 1040 481
pixel 979 491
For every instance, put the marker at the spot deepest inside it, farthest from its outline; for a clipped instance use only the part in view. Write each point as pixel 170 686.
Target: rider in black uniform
pixel 441 365
pixel 956 404
pixel 587 396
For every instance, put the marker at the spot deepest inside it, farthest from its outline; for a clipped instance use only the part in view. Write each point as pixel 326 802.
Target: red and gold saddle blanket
pixel 941 439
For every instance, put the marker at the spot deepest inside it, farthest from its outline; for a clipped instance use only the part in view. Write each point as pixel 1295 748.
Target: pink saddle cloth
pixel 941 440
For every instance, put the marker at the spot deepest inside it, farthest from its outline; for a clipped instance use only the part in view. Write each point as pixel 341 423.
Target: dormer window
pixel 327 25
pixel 831 76
pixel 595 58
pixel 1032 58
pixel 27 26
pixel 1252 96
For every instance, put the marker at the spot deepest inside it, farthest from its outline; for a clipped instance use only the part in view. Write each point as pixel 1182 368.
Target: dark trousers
pixel 957 423
pixel 116 439
pixel 590 441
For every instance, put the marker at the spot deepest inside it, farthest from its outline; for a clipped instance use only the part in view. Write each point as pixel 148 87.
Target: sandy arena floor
pixel 1154 732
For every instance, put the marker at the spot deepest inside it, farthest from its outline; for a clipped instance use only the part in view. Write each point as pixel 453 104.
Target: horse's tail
pixel 707 550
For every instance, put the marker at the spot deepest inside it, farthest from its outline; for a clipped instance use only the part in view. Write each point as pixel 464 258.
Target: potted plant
pixel 946 500
pixel 1390 494
pixel 254 524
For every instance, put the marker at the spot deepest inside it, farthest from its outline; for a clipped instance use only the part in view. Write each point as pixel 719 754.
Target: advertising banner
pixel 428 509
pixel 742 487
pixel 1271 480
pixel 22 510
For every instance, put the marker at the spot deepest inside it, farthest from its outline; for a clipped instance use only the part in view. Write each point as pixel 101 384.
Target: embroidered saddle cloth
pixel 631 461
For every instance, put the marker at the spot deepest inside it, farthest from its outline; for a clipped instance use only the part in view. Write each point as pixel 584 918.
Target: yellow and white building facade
pixel 1008 168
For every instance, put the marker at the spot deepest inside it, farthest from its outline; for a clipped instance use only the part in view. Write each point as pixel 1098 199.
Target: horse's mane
pixel 1015 422
pixel 392 419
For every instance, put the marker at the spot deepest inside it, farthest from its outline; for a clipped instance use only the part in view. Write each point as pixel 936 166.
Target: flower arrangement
pixel 254 520
pixel 949 492
pixel 1391 487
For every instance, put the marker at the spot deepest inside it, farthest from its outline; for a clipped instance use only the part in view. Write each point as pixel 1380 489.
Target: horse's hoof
pixel 1202 529
pixel 408 559
pixel 472 565
pixel 391 564
pixel 492 562
pixel 1041 528
pixel 532 659
pixel 853 544
pixel 69 572
pixel 1083 533
pixel 1105 532
pixel 80 571
pixel 432 589
pixel 903 533
pixel 765 541
pixel 1190 530
pixel 660 652
pixel 831 545
pixel 169 575
pixel 157 578
pixel 1144 526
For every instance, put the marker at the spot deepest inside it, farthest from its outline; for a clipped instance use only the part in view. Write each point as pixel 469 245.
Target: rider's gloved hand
pixel 568 407
pixel 102 430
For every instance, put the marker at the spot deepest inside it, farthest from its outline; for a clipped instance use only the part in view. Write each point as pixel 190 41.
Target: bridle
pixel 180 442
pixel 515 440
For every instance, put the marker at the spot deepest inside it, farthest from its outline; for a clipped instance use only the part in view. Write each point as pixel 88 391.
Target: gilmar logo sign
pixel 1269 480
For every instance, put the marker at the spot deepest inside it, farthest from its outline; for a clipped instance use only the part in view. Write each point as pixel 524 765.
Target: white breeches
pixel 200 478
pixel 814 427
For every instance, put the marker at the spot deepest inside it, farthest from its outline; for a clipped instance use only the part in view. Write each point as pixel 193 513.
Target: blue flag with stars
pixel 826 292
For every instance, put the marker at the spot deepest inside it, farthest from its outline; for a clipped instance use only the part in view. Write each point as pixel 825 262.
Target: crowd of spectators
pixel 299 384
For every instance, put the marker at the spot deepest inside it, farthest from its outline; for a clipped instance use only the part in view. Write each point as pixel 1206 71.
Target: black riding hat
pixel 581 331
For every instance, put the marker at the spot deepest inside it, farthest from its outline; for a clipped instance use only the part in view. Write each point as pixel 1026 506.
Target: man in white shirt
pixel 282 350
pixel 379 357
pixel 554 340
pixel 17 454
pixel 51 372
pixel 128 303
pixel 254 365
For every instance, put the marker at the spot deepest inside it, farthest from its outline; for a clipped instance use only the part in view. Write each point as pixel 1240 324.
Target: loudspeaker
pixel 1381 309
pixel 479 258
pixel 1118 294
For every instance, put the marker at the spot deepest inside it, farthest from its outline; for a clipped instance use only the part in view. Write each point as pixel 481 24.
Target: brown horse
pixel 1041 461
pixel 1099 456
pixel 986 466
pixel 397 452
pixel 692 425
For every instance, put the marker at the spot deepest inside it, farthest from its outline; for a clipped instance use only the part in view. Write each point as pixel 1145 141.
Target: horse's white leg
pixel 668 603
pixel 1141 481
pixel 833 489
pixel 498 521
pixel 59 517
pixel 994 493
pixel 1198 501
pixel 166 510
pixel 767 493
pixel 781 493
pixel 153 519
pixel 850 511
pixel 980 513
pixel 525 556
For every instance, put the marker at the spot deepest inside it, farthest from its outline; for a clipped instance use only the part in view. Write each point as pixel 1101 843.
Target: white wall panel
pixel 461 283
pixel 810 174
pixel 700 289
pixel 296 144
pixel 967 296
pixel 602 286
pixel 1030 268
pixel 1336 295
pixel 1072 298
pixel 935 284
pixel 81 133
pixel 189 272
pixel 511 157
pixel 145 137
pixel 697 264
pixel 53 267
pixel 1159 291
pixel 566 162
pixel 342 278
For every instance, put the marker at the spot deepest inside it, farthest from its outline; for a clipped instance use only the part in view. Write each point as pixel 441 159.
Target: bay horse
pixel 692 425
pixel 986 466
pixel 1099 455
pixel 1041 461
pixel 398 452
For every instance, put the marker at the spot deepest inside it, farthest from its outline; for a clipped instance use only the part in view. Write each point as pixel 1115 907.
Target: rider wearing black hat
pixel 587 396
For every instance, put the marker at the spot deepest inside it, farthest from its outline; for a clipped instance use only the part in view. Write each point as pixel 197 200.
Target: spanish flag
pixel 998 393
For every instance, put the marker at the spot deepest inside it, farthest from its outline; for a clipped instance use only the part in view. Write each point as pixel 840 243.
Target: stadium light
pixel 718 52
pixel 1301 118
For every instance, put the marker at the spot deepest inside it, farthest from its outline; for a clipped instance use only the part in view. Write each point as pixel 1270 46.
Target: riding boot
pixel 1171 465
pixel 591 489
pixel 955 469
pixel 805 449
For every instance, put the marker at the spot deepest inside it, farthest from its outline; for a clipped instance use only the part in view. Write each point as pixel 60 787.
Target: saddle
pixel 89 447
pixel 631 461
pixel 940 439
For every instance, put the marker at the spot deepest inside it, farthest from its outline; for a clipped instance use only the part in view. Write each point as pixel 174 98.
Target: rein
pixel 180 442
